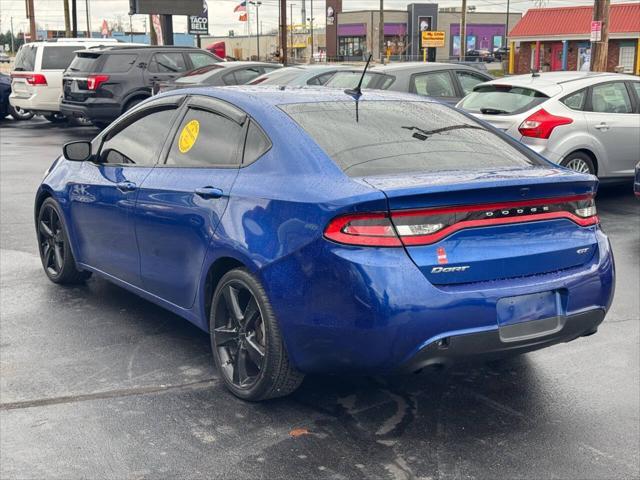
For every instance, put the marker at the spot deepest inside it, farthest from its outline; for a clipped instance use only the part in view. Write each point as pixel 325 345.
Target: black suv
pixel 102 83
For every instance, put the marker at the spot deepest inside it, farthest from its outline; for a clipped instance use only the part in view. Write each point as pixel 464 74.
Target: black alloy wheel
pixel 55 252
pixel 239 335
pixel 245 339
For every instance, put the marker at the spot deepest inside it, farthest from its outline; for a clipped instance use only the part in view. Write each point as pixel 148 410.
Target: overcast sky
pixel 49 13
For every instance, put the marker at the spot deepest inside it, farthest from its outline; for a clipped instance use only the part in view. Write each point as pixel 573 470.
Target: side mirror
pixel 79 151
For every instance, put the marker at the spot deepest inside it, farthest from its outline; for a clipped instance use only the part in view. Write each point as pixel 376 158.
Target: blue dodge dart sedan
pixel 311 230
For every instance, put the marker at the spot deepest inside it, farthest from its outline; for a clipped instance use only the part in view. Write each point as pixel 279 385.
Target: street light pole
pixel 257 5
pixel 291 5
pixel 311 27
pixel 381 32
pixel 13 48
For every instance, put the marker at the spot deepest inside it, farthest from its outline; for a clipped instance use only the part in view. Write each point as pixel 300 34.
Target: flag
pixel 241 7
pixel 243 17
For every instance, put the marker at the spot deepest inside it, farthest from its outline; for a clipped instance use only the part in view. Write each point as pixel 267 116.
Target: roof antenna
pixel 357 92
pixel 534 73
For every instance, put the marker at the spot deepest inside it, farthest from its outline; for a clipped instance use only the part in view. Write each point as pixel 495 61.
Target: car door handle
pixel 208 192
pixel 602 126
pixel 126 186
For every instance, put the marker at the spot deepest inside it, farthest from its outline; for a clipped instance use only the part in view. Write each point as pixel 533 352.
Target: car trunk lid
pixel 492 224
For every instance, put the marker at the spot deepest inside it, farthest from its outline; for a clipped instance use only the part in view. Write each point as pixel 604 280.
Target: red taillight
pixel 31 78
pixel 426 226
pixel 541 124
pixel 94 81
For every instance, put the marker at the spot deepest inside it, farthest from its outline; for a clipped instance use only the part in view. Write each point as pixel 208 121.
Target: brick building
pixel 551 39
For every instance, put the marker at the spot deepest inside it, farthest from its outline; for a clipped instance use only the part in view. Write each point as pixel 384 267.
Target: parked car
pixel 100 84
pixel 4 58
pixel 479 56
pixel 37 74
pixel 501 53
pixel 447 82
pixel 636 182
pixel 405 235
pixel 219 74
pixel 5 107
pixel 301 75
pixel 586 121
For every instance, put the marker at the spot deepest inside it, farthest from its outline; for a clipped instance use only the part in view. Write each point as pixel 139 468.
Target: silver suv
pixel 586 121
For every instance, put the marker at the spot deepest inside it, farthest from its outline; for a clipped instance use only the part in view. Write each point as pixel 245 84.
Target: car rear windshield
pixel 58 58
pixel 391 137
pixel 84 62
pixel 351 79
pixel 281 76
pixel 26 59
pixel 501 99
pixel 199 74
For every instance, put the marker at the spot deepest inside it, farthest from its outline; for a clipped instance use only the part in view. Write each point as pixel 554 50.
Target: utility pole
pixel 291 5
pixel 86 6
pixel 257 5
pixel 381 32
pixel 67 19
pixel 463 31
pixel 13 47
pixel 283 31
pixel 32 21
pixel 153 36
pixel 74 18
pixel 311 28
pixel 506 26
pixel 600 49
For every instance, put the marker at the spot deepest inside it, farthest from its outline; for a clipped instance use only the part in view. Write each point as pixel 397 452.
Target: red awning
pixel 541 22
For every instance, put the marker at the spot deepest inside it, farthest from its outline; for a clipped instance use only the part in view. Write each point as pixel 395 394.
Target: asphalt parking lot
pixel 98 383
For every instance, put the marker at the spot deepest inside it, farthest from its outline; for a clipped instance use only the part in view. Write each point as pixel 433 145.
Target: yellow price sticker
pixel 188 136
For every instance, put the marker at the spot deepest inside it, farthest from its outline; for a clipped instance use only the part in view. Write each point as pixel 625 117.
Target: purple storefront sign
pixel 396 29
pixel 360 29
pixel 352 30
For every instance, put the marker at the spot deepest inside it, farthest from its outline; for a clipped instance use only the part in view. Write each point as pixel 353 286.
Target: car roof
pixel 247 63
pixel 411 67
pixel 245 95
pixel 552 83
pixel 125 47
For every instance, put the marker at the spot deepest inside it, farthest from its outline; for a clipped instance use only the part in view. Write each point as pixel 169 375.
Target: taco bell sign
pixel 199 24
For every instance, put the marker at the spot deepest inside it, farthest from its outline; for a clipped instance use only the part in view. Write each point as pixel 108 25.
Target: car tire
pixel 55 117
pixel 580 162
pixel 20 114
pixel 246 342
pixel 132 103
pixel 53 245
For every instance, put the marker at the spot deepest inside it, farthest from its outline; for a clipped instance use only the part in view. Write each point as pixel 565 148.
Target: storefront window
pixel 351 46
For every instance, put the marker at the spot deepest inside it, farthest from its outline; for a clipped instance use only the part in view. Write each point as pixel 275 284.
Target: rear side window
pixel 58 58
pixel 118 63
pixel 469 80
pixel 206 139
pixel 502 100
pixel 26 58
pixel 138 143
pixel 434 84
pixel 255 145
pixel 403 137
pixel 167 62
pixel 321 79
pixel 611 98
pixel 575 101
pixel 240 77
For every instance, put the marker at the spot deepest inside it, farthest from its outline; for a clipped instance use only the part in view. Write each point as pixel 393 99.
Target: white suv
pixel 586 121
pixel 36 79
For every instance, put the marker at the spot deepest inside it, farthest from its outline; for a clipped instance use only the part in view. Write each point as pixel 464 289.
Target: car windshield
pixel 350 79
pixel 391 137
pixel 501 99
pixel 199 74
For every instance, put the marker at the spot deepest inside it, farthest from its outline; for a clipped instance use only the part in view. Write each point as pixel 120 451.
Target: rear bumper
pixel 505 341
pixel 35 102
pixel 91 111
